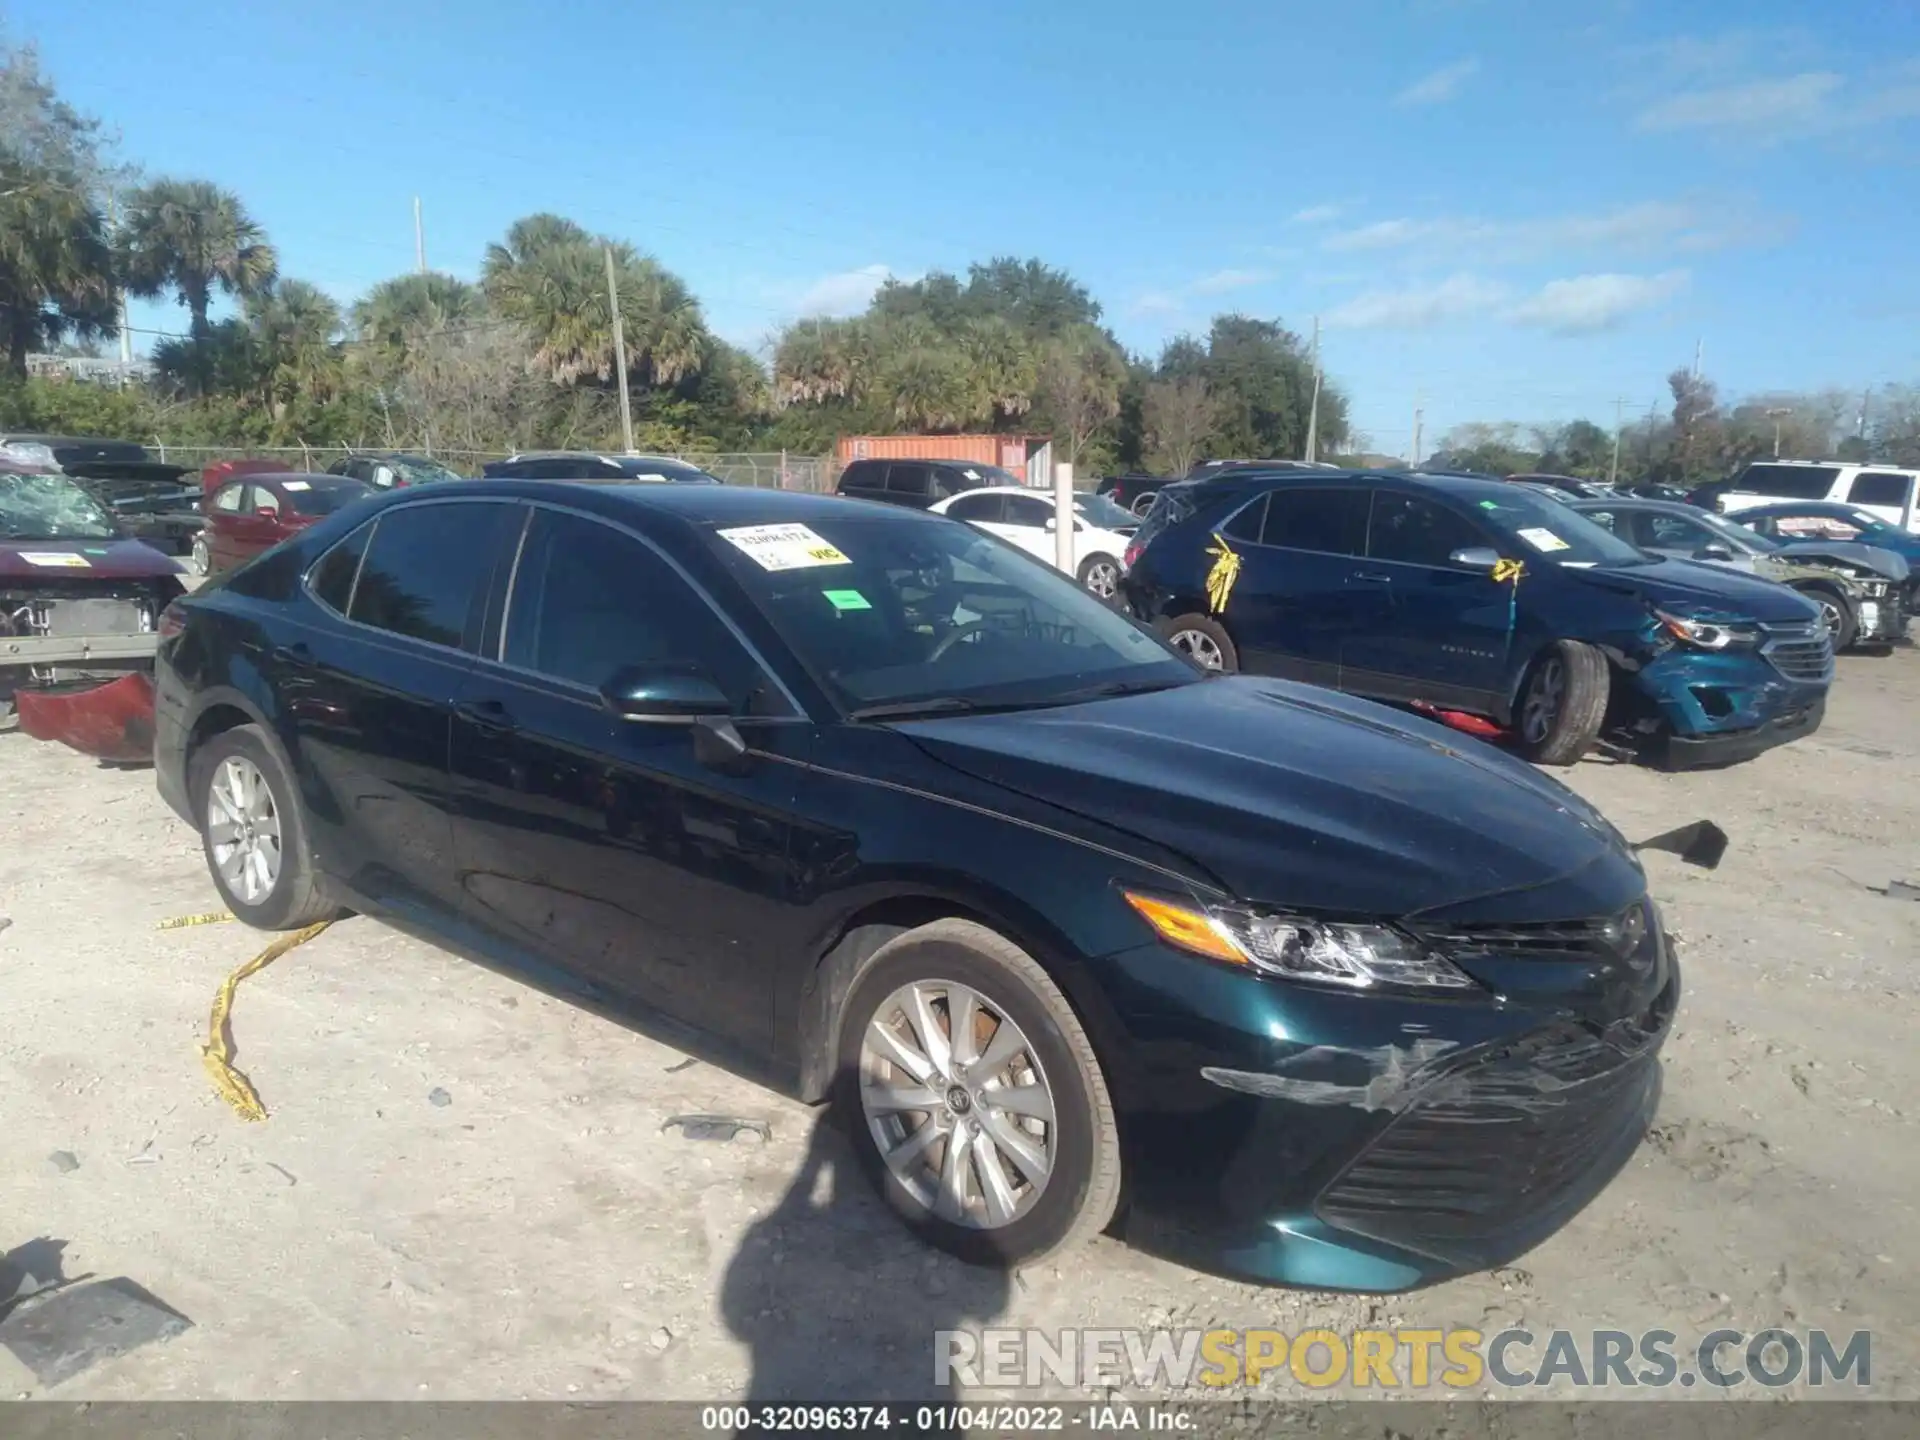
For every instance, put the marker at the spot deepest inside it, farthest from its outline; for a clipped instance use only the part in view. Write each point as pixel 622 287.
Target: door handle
pixel 295 654
pixel 1372 577
pixel 491 716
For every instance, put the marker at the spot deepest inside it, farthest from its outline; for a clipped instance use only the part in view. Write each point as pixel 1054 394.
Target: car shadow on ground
pixel 837 1301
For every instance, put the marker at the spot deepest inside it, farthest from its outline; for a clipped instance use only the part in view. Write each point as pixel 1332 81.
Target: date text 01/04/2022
pixel 946 1418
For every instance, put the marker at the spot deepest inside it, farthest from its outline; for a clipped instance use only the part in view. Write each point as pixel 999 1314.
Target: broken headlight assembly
pixel 1347 955
pixel 1707 634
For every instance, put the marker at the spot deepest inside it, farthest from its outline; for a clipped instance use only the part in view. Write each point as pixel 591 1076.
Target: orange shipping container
pixel 1009 452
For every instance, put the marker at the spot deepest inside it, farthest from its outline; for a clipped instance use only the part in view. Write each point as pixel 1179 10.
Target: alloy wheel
pixel 1202 647
pixel 202 560
pixel 1544 698
pixel 957 1103
pixel 1103 578
pixel 1835 619
pixel 243 829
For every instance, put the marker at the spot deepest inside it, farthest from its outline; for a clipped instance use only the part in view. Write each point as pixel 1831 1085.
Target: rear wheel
pixel 253 833
pixel 1203 641
pixel 1562 704
pixel 1100 575
pixel 974 1098
pixel 201 560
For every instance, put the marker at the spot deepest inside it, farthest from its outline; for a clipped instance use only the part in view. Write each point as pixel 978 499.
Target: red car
pixel 252 513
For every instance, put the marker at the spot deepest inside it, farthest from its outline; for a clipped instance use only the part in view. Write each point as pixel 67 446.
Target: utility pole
pixel 120 297
pixel 1313 411
pixel 1777 414
pixel 1697 346
pixel 419 239
pixel 1860 425
pixel 1619 410
pixel 1413 455
pixel 620 355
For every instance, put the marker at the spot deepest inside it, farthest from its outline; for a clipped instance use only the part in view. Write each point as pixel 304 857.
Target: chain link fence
pixel 771 470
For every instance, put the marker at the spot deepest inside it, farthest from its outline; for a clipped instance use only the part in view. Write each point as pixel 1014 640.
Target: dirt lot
pixel 464 1189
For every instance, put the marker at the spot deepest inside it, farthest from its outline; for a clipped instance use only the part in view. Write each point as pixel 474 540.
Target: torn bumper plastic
pixel 113 721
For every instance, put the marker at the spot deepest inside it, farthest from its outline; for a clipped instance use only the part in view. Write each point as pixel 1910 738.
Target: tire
pixel 1562 703
pixel 1077 1156
pixel 1842 621
pixel 1100 576
pixel 200 558
pixel 1143 503
pixel 292 898
pixel 1203 641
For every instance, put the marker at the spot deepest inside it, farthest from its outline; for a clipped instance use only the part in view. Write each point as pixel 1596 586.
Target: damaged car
pixel 865 804
pixel 1861 590
pixel 80 605
pixel 1484 601
pixel 152 500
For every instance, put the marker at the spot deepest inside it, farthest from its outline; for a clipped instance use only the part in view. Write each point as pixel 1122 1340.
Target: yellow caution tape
pixel 1226 570
pixel 1507 570
pixel 217 1053
pixel 181 922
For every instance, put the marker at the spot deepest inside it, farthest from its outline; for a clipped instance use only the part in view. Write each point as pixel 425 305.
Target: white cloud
pixel 1458 297
pixel 1315 215
pixel 1156 302
pixel 1648 225
pixel 1442 85
pixel 833 297
pixel 1796 102
pixel 1222 281
pixel 1587 303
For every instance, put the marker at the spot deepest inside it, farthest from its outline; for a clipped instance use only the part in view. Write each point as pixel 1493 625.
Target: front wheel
pixel 974 1098
pixel 1100 575
pixel 200 561
pixel 1562 704
pixel 1203 641
pixel 1837 614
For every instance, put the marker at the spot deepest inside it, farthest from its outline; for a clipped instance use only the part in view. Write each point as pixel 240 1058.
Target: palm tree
pixel 927 389
pixel 195 239
pixel 1000 366
pixel 56 266
pixel 296 326
pixel 506 274
pixel 400 311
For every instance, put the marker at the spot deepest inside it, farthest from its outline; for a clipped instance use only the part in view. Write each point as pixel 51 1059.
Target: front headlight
pixel 1353 956
pixel 1707 634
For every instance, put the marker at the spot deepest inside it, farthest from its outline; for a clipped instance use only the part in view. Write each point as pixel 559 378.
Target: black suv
pixel 581 465
pixel 919 483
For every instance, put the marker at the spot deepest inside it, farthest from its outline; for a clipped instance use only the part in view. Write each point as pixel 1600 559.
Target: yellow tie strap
pixel 217 1053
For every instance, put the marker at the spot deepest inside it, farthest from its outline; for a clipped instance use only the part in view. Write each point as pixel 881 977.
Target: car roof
pixel 1635 502
pixel 694 504
pixel 1809 507
pixel 277 477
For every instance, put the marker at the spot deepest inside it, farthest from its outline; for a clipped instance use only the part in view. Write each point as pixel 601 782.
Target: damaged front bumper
pixel 111 721
pixel 1381 1142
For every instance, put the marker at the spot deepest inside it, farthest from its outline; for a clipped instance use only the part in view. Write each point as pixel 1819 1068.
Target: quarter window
pixel 427 568
pixel 332 579
pixel 588 601
pixel 1247 524
pixel 1331 521
pixel 1880 487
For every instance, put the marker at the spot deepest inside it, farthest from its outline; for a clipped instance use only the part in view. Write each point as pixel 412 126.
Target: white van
pixel 1887 492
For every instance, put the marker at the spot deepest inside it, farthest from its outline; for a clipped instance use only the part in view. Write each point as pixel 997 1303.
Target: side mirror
pixel 663 695
pixel 1714 551
pixel 1476 557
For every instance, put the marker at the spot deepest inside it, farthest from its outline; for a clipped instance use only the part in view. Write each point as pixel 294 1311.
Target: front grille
pixel 97 617
pixel 1799 652
pixel 1505 1140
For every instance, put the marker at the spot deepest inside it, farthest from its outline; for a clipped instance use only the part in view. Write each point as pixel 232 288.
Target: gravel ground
pixel 465 1191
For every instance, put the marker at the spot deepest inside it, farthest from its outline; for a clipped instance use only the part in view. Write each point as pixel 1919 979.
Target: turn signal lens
pixel 1189 929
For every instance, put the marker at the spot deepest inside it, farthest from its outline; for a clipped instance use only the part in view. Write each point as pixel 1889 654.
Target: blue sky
pixel 1499 208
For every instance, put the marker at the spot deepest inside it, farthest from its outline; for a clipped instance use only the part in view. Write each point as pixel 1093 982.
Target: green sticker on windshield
pixel 1489 504
pixel 95 550
pixel 846 600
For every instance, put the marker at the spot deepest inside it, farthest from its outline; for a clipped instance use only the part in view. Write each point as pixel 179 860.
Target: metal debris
pixel 718 1127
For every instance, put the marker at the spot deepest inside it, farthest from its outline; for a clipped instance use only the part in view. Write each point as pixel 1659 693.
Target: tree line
pixel 525 355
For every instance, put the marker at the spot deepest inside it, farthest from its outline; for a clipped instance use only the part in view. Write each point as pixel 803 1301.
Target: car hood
pixel 1883 563
pixel 98 559
pixel 1707 587
pixel 1298 797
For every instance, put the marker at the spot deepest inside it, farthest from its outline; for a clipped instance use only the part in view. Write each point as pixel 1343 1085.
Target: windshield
pixel 324 494
pixel 1099 511
pixel 422 472
pixel 1737 536
pixel 1546 529
pixel 896 611
pixel 51 507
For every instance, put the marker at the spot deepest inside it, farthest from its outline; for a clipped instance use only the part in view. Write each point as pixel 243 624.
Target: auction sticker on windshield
pixel 1544 540
pixel 57 559
pixel 296 485
pixel 784 547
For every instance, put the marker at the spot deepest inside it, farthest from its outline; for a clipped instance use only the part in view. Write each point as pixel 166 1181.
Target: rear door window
pixel 262 501
pixel 986 509
pixel 1332 521
pixel 957 480
pixel 908 480
pixel 426 570
pixel 863 475
pixel 1412 530
pixel 1880 487
pixel 1788 482
pixel 1028 510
